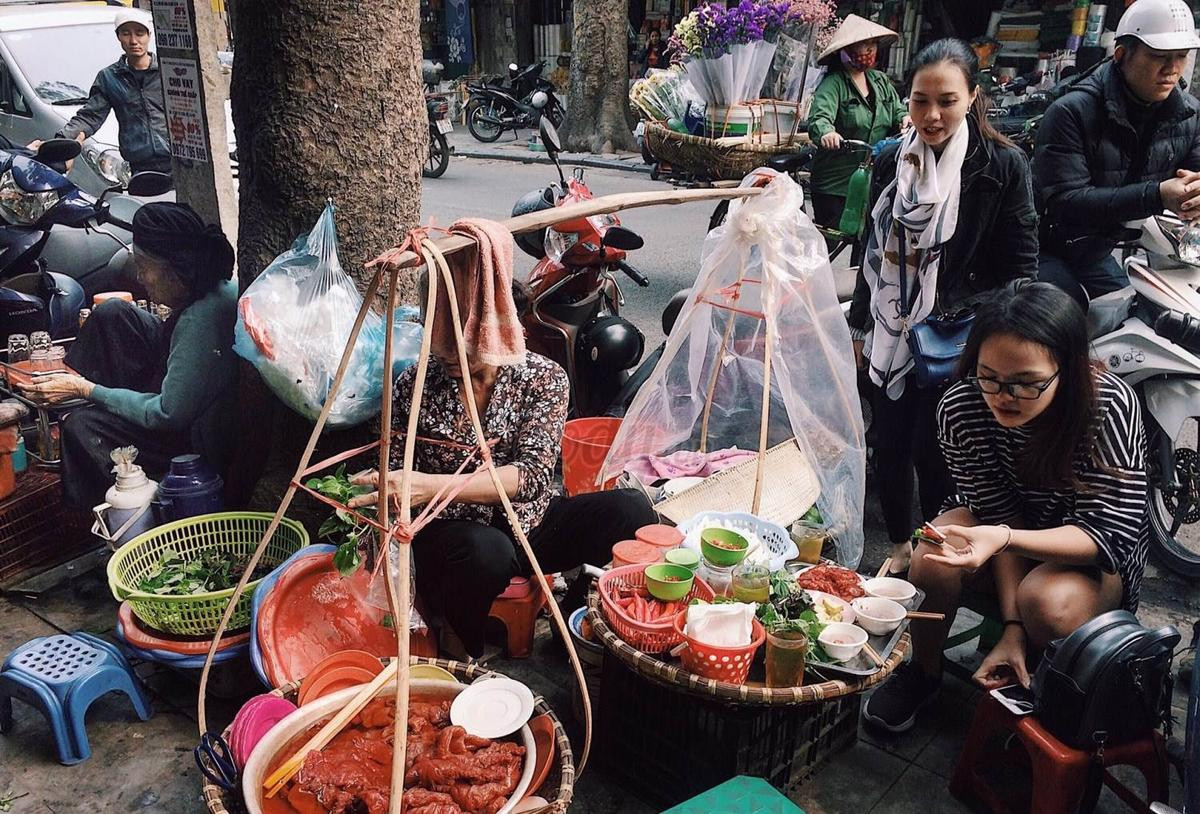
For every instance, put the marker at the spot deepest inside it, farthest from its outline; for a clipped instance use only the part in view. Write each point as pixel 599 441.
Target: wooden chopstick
pixel 872 655
pixel 320 740
pixel 933 617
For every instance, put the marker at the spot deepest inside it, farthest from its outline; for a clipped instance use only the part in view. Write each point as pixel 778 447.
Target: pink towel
pixel 483 281
pixel 653 468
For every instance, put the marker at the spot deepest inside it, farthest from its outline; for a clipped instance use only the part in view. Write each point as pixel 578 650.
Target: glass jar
pixel 810 539
pixel 787 651
pixel 18 348
pixel 719 578
pixel 751 583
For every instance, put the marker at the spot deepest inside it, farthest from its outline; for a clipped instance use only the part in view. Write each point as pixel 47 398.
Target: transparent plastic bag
pixel 295 319
pixel 766 263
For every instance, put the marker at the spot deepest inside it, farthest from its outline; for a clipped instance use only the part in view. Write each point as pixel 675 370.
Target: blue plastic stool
pixel 61 676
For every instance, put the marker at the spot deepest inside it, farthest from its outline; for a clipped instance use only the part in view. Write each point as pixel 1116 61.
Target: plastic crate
pixel 667 746
pixel 37 532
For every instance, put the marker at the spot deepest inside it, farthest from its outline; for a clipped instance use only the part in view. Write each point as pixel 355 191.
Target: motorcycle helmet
pixel 539 99
pixel 674 306
pixel 533 243
pixel 611 343
pixel 1164 25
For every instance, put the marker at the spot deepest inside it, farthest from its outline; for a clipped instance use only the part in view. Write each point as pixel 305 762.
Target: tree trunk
pixel 598 119
pixel 327 103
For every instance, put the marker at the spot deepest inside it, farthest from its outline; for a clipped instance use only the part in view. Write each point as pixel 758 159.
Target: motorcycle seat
pixel 791 162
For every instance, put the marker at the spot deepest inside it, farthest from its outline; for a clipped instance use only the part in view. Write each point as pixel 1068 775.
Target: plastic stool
pixel 1059 771
pixel 61 676
pixel 517 609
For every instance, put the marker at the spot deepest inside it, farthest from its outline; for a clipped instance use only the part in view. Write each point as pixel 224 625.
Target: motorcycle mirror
pixel 149 184
pixel 58 150
pixel 549 134
pixel 618 237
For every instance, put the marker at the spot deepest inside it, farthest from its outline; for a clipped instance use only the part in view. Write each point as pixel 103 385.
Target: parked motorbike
pixel 573 313
pixel 494 107
pixel 437 108
pixel 38 200
pixel 1156 350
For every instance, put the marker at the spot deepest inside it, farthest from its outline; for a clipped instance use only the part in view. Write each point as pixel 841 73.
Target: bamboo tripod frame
pixel 418 251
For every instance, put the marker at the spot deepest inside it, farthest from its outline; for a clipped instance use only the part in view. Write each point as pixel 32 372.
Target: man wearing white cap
pixel 1121 145
pixel 132 89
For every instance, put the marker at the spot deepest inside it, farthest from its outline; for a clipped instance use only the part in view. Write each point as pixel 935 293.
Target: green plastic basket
pixel 236 533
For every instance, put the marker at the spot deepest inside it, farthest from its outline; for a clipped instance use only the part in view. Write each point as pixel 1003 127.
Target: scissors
pixel 215 759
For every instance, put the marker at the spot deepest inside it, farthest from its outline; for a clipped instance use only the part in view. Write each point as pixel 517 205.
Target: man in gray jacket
pixel 131 88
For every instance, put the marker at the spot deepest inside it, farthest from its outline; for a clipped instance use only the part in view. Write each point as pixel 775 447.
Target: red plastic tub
pixel 585 445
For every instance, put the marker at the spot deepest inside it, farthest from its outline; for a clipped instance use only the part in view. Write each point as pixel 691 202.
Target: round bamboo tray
pixel 715 159
pixel 558 788
pixel 675 677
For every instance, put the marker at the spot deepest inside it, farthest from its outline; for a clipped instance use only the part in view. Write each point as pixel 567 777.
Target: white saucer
pixel 492 708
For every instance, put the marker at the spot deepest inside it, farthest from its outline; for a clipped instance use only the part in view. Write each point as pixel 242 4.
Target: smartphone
pixel 1015 698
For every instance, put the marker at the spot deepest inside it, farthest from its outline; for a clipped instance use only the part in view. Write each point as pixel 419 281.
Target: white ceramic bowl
pixel 897 590
pixel 842 641
pixel 878 616
pixel 264 754
pixel 820 597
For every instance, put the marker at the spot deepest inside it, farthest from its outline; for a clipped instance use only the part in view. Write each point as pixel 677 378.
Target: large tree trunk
pixel 327 103
pixel 598 119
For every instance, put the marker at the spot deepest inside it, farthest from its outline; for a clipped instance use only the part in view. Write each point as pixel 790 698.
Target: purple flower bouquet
pixel 728 51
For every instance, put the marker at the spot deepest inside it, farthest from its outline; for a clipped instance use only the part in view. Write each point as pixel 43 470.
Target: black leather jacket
pixel 996 239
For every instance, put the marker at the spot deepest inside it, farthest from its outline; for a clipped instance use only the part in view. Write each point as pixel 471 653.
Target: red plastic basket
pixel 649 637
pixel 728 664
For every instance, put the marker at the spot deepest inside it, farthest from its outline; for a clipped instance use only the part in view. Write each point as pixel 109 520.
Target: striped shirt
pixel 981 457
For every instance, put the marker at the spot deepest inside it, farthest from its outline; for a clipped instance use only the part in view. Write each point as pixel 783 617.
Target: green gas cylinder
pixel 856 201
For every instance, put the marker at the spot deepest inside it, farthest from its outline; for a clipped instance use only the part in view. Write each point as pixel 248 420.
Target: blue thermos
pixel 189 489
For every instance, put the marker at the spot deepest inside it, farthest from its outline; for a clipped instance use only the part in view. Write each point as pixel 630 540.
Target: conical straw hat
pixel 855 29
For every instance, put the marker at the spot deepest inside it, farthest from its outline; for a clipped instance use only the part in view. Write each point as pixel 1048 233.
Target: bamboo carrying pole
pixel 393 262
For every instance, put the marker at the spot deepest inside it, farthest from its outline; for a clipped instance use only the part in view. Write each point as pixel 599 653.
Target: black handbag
pixel 1108 682
pixel 937 341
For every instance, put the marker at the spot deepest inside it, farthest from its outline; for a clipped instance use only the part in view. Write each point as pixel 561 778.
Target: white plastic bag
pixel 766 263
pixel 295 319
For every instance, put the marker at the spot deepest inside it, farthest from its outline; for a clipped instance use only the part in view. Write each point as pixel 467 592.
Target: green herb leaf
pixel 388 622
pixel 347 559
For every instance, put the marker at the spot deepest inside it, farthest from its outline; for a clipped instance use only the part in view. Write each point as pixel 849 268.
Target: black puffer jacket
pixel 1092 169
pixel 996 239
pixel 136 97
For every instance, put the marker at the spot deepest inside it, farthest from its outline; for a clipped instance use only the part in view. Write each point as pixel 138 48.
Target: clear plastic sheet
pixel 732 77
pixel 766 263
pixel 293 324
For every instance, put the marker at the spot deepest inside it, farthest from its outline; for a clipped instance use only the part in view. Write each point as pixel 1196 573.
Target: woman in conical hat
pixel 853 101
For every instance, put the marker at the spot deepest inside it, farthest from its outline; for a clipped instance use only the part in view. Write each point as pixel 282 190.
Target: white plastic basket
pixel 762 534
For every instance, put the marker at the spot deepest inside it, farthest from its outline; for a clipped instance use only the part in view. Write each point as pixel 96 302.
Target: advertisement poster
pixel 185 114
pixel 173 25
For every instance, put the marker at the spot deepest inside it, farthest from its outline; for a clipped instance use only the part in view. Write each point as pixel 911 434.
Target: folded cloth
pixel 652 468
pixel 726 625
pixel 483 276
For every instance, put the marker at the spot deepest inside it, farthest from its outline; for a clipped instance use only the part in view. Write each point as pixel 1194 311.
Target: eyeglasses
pixel 1018 390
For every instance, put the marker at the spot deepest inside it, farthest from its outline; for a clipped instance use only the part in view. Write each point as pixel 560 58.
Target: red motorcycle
pixel 573 313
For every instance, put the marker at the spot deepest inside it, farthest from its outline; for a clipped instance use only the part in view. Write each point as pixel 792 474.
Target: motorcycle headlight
pixel 558 243
pixel 539 99
pixel 108 164
pixel 21 207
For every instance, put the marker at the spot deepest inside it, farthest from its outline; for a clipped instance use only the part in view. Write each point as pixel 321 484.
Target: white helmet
pixel 1165 25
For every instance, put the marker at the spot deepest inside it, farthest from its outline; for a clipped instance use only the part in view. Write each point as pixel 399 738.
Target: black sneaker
pixel 893 707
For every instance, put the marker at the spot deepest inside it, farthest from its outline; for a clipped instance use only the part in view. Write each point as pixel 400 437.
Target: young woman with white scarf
pixel 959 194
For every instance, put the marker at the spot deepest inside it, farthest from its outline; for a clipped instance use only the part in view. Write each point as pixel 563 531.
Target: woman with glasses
pixel 1048 459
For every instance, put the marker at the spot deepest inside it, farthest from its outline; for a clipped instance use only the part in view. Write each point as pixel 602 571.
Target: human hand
pixel 860 361
pixel 831 141
pixel 33 145
pixel 423 490
pixel 1181 194
pixel 1006 662
pixel 970 546
pixel 63 387
pixel 905 123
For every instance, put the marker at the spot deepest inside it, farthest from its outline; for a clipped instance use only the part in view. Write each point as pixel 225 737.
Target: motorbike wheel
pixel 439 156
pixel 481 130
pixel 1175 498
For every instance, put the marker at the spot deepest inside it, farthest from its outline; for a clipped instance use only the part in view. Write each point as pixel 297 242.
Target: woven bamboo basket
pixel 558 788
pixel 715 159
pixel 673 675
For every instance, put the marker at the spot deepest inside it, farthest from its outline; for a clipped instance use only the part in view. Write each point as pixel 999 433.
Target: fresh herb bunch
pixel 172 575
pixel 342 528
pixel 791 610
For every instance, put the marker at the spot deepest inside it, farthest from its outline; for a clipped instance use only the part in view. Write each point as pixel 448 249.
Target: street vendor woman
pixel 165 387
pixel 467 555
pixel 1048 457
pixel 853 101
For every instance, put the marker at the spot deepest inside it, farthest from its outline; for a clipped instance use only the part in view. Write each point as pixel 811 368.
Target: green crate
pixel 234 533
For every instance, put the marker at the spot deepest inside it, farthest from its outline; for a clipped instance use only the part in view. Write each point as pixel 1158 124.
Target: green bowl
pixel 668 591
pixel 723 557
pixel 686 557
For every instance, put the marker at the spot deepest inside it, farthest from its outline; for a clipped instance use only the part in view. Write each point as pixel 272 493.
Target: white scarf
pixel 924 200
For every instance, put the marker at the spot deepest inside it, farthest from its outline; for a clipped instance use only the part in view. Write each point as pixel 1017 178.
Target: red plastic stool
pixel 517 609
pixel 1059 772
